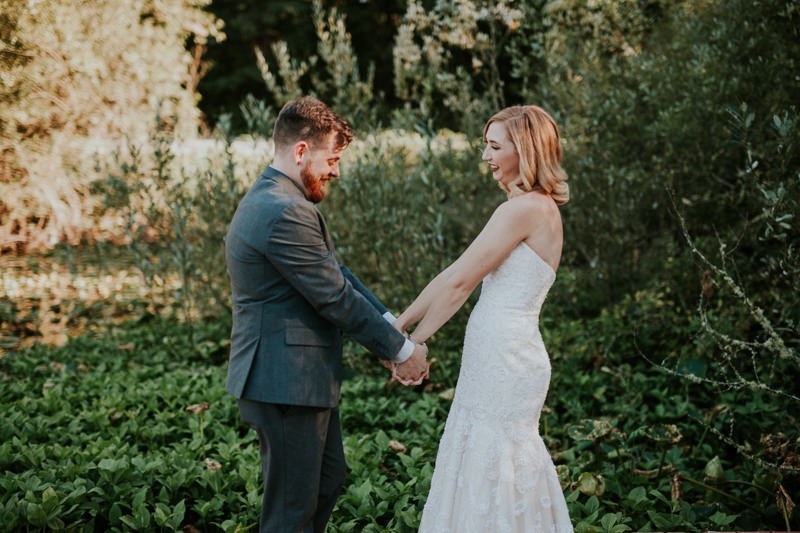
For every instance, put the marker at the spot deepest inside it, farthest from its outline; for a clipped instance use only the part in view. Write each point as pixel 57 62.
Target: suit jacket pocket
pixel 298 336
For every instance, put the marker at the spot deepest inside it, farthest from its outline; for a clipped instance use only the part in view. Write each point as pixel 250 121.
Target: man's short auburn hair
pixel 311 120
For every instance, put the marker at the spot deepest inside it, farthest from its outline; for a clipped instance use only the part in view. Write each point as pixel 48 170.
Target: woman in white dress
pixel 493 472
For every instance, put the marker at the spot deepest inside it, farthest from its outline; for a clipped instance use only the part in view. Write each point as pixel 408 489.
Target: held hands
pixel 413 370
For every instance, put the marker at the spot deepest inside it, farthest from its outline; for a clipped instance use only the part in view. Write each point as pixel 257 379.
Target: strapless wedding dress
pixel 493 473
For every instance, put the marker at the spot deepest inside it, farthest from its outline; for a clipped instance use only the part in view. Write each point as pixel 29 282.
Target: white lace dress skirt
pixel 493 472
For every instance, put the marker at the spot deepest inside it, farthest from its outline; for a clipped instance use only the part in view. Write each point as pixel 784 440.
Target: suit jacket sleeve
pixel 365 292
pixel 297 248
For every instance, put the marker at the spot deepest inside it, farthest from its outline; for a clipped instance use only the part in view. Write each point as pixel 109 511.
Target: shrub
pixel 655 102
pixel 99 70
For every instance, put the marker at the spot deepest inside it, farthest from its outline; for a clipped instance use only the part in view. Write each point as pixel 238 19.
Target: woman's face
pixel 501 155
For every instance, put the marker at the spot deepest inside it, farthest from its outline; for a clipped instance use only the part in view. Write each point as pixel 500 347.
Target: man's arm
pixel 296 247
pixel 365 292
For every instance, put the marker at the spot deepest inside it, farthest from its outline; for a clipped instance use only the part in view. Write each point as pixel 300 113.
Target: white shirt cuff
pixel 408 347
pixel 405 352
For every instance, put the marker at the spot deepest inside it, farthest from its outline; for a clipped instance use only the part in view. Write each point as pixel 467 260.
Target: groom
pixel 292 301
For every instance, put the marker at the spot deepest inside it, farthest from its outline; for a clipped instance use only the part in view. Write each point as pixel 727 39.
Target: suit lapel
pixel 324 224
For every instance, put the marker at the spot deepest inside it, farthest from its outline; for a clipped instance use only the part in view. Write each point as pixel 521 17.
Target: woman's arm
pixel 447 292
pixel 420 305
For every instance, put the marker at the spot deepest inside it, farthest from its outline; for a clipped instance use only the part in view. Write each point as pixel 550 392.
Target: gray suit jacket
pixel 292 300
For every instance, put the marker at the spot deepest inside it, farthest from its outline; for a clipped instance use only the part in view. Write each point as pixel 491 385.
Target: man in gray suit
pixel 292 301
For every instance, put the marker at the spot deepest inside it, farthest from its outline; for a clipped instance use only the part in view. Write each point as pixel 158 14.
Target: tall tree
pixel 249 24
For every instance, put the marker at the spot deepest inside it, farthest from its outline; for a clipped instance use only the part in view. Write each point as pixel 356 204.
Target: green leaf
pixel 608 521
pixel 713 469
pixel 114 513
pixel 637 495
pixel 36 514
pixel 721 519
pixel 139 498
pixel 178 514
pixel 663 521
pixel 160 515
pixel 111 465
pixel 50 500
pixel 657 494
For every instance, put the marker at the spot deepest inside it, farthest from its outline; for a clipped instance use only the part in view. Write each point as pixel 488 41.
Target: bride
pixel 493 472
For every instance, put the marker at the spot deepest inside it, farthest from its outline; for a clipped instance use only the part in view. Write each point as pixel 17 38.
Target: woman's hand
pixel 400 326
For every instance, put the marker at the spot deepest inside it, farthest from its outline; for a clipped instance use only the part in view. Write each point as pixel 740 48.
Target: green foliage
pixel 654 448
pixel 133 429
pixel 342 86
pixel 447 62
pixel 406 207
pixel 389 458
pixel 97 436
pixel 284 33
pixel 684 167
pixel 655 104
pixel 339 81
pixel 174 208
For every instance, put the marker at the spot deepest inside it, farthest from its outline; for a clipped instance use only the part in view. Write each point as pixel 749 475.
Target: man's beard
pixel 316 187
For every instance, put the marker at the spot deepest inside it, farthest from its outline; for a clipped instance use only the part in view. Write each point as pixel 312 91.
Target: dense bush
pixel 87 71
pixel 287 28
pixel 172 199
pixel 681 124
pixel 692 110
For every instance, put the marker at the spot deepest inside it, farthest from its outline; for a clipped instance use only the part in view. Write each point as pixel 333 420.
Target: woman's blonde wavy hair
pixel 535 136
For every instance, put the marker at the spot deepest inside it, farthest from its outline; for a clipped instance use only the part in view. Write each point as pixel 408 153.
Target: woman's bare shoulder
pixel 544 229
pixel 531 203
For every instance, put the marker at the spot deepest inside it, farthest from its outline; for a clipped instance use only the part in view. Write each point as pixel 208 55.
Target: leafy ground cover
pixel 131 429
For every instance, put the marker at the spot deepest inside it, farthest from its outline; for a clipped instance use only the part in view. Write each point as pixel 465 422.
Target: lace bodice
pixel 503 350
pixel 493 471
pixel 521 283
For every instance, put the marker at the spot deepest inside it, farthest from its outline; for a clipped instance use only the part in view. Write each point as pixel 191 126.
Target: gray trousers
pixel 302 461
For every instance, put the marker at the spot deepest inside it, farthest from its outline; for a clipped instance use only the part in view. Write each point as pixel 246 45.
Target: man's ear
pixel 299 151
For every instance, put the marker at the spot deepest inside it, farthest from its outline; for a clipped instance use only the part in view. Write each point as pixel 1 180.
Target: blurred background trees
pixel 81 77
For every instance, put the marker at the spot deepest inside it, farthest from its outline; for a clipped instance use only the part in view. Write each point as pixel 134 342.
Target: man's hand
pixel 413 370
